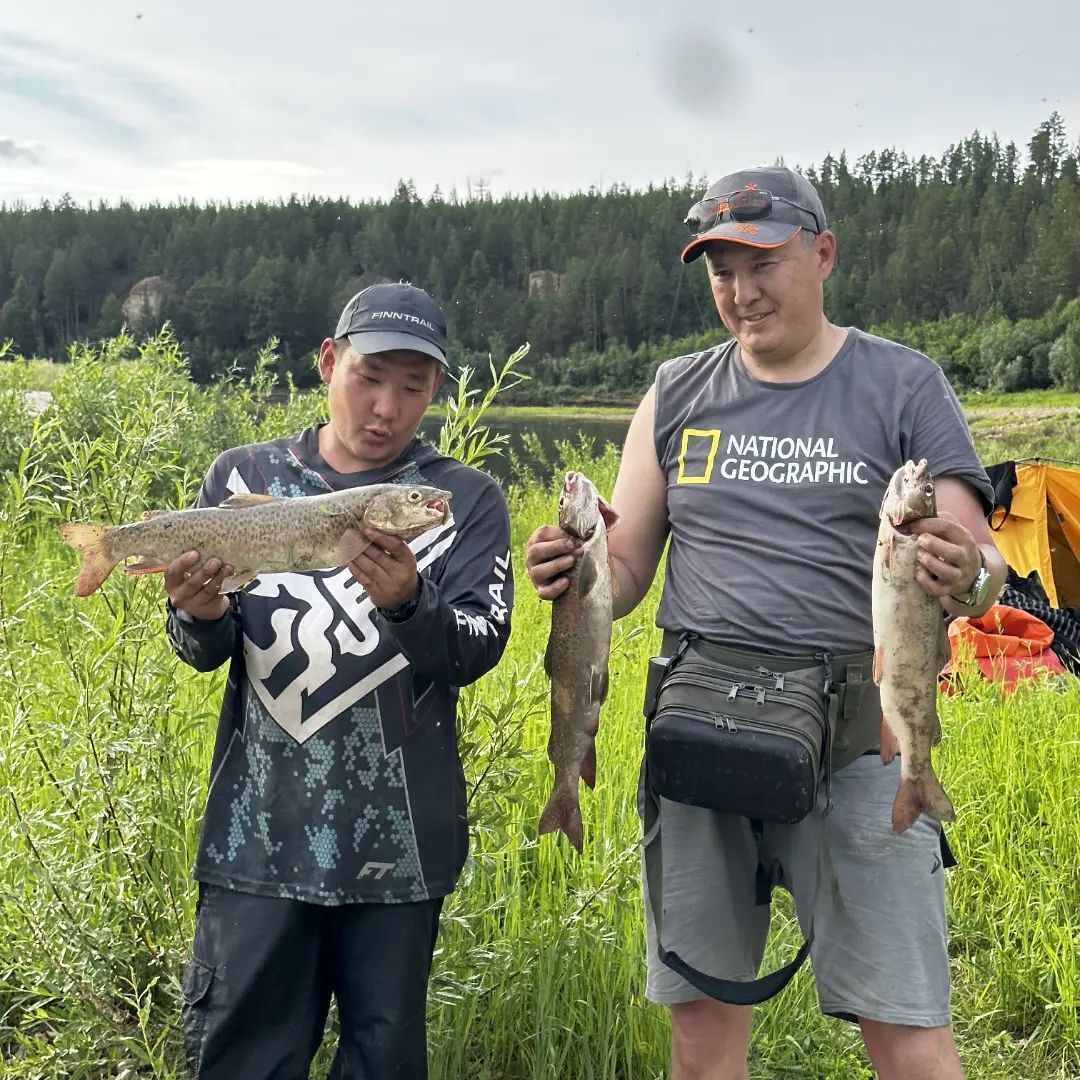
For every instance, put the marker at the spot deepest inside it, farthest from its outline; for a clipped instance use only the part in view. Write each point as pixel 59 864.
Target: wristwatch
pixel 975 596
pixel 405 611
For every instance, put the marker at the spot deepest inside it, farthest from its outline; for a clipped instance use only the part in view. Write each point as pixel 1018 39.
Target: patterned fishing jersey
pixel 336 776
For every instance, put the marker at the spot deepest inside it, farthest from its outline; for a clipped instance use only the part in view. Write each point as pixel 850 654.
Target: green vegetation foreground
pixel 106 741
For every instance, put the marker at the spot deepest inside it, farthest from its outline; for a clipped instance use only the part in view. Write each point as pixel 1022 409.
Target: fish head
pixel 407 510
pixel 910 494
pixel 581 508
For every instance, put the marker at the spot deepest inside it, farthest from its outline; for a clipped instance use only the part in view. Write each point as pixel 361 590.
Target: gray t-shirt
pixel 774 488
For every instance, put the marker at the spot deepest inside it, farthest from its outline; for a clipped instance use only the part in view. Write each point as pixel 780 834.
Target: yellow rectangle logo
pixel 697 454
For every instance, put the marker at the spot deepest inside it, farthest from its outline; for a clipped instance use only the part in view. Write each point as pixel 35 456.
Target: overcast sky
pixel 166 99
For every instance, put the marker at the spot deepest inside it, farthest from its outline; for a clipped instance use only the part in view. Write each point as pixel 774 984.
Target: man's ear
pixel 440 378
pixel 327 359
pixel 825 250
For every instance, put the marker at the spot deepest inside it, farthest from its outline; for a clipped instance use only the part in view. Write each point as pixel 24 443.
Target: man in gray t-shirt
pixel 764 462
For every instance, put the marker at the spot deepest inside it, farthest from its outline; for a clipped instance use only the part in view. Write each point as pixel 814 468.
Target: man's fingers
pixel 176 572
pixel 548 545
pixel 553 589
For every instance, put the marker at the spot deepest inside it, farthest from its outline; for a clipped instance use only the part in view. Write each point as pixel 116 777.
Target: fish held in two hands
pixel 576 660
pixel 910 646
pixel 258 534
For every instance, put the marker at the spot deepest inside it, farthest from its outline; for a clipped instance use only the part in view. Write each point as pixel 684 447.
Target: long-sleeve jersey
pixel 336 776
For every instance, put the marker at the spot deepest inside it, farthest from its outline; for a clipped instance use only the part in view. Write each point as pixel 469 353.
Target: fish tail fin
pixel 92 543
pixel 563 812
pixel 921 794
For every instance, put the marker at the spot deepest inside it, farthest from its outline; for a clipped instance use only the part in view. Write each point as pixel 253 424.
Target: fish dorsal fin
pixel 147 515
pixel 247 498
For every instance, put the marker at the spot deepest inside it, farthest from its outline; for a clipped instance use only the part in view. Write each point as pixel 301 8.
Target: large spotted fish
pixel 909 646
pixel 577 655
pixel 258 534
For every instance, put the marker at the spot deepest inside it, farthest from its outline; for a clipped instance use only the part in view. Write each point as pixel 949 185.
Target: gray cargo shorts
pixel 880 954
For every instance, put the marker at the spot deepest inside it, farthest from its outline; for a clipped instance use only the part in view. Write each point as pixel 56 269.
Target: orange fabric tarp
pixel 1007 644
pixel 1042 530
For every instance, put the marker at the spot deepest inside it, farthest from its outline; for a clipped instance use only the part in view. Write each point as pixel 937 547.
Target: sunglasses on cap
pixel 749 205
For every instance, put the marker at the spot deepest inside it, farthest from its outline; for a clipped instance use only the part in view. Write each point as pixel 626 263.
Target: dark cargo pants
pixel 263 971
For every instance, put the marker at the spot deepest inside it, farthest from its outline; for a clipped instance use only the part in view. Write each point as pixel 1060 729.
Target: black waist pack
pixel 737 732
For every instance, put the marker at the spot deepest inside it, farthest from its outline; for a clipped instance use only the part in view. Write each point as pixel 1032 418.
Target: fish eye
pixel 928 490
pixel 414 496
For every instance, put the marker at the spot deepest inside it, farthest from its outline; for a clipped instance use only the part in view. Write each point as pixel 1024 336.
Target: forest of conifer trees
pixel 973 256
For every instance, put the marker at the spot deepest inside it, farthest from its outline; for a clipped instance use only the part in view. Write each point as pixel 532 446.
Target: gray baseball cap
pixel 760 208
pixel 394 316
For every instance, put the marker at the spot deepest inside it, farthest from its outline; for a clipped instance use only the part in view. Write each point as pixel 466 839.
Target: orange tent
pixel 1040 530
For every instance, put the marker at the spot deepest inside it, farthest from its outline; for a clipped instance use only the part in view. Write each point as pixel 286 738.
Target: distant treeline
pixel 974 256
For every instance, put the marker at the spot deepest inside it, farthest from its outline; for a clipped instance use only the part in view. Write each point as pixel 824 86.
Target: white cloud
pixel 239 100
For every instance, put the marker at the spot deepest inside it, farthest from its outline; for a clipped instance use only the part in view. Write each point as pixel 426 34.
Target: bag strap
pixel 731 991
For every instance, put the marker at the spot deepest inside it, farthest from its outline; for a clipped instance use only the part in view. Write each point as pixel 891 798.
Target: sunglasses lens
pixel 701 216
pixel 750 205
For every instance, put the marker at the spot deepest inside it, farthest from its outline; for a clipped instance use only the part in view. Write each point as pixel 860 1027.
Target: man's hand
pixel 387 569
pixel 195 587
pixel 549 556
pixel 949 558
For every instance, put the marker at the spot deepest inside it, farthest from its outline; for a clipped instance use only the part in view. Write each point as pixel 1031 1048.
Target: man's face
pixel 376 403
pixel 771 299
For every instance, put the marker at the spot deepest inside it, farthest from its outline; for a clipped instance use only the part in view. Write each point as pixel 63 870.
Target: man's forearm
pixel 627 590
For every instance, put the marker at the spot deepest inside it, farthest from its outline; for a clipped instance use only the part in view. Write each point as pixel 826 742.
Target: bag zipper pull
pixel 760 699
pixel 733 693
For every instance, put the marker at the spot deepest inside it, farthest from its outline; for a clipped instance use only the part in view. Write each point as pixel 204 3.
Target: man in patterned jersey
pixel 764 460
pixel 335 819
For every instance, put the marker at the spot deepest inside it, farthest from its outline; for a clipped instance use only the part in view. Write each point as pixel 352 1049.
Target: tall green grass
pixel 105 742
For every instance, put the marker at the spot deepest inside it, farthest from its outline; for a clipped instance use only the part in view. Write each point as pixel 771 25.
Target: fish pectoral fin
pixel 238 582
pixel 247 498
pixel 351 544
pixel 609 516
pixel 598 686
pixel 588 766
pixel 879 665
pixel 888 549
pixel 145 565
pixel 589 577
